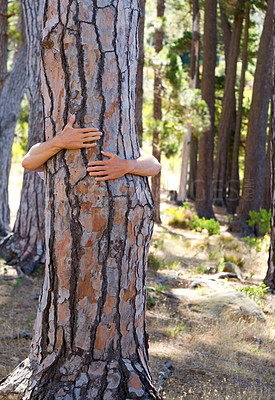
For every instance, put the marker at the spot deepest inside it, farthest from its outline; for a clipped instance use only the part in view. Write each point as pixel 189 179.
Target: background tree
pixel 193 84
pixel 157 108
pixel 204 194
pixel 3 41
pixel 90 339
pixel 255 150
pixel 139 89
pixel 25 246
pixel 228 109
pixel 234 183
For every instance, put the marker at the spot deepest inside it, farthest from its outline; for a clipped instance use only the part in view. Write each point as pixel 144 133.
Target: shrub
pixel 255 292
pixel 260 220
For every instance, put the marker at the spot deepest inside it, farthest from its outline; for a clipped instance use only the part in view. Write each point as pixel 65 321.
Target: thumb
pixel 72 121
pixel 105 153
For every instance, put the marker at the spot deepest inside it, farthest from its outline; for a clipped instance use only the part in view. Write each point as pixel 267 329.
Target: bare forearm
pixel 40 153
pixel 145 165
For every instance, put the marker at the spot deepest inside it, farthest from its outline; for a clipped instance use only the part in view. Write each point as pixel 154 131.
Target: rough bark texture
pixel 194 67
pixel 25 246
pixel 254 173
pixel 270 275
pixel 3 42
pixel 157 112
pixel 225 125
pixel 226 29
pixel 139 86
pixel 234 183
pixel 204 193
pixel 10 100
pixel 90 340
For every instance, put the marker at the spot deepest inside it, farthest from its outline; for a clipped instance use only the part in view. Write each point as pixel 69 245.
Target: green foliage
pixel 161 288
pixel 21 132
pixel 260 219
pixel 151 300
pixel 211 225
pixel 154 262
pixel 175 331
pixel 255 292
pixel 17 283
pixel 184 217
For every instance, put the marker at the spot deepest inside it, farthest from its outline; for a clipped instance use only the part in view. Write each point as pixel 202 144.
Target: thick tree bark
pixel 90 340
pixel 157 112
pixel 234 184
pixel 194 67
pixel 204 194
pixel 3 42
pixel 139 85
pixel 228 107
pixel 10 100
pixel 227 34
pixel 25 246
pixel 254 173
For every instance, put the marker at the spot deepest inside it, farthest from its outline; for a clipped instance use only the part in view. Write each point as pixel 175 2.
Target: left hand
pixel 113 168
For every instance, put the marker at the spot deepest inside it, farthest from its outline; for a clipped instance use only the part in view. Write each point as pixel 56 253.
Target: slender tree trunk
pixel 3 42
pixel 191 193
pixel 204 193
pixel 90 340
pixel 267 191
pixel 194 66
pixel 25 246
pixel 254 173
pixel 10 100
pixel 270 274
pixel 139 89
pixel 157 112
pixel 234 184
pixel 227 34
pixel 225 124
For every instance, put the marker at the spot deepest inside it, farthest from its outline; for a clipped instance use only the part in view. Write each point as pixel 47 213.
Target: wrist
pixel 56 143
pixel 129 166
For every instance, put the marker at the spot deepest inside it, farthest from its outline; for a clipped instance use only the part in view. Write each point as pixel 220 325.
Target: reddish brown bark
pixel 228 108
pixel 90 339
pixel 204 194
pixel 139 85
pixel 157 114
pixel 234 183
pixel 255 151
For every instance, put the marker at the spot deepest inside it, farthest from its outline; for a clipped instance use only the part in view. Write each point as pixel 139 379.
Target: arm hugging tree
pixel 90 339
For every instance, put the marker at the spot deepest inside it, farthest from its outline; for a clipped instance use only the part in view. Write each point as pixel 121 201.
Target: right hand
pixel 77 138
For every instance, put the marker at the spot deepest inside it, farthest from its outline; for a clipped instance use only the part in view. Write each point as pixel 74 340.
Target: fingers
pixel 96 163
pixel 72 121
pixel 105 153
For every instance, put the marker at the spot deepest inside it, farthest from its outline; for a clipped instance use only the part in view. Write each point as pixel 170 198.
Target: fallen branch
pixel 19 271
pixel 18 335
pixel 171 295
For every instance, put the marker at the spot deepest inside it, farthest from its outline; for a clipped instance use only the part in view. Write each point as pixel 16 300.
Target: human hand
pixel 113 168
pixel 77 138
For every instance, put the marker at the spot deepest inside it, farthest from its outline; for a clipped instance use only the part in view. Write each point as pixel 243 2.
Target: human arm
pixel 115 167
pixel 69 138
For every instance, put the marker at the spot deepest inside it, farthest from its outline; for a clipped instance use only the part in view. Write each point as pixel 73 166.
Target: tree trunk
pixel 234 184
pixel 267 191
pixel 191 193
pixel 25 246
pixel 227 34
pixel 228 107
pixel 270 275
pixel 10 100
pixel 90 340
pixel 157 112
pixel 255 149
pixel 139 86
pixel 204 193
pixel 3 42
pixel 194 67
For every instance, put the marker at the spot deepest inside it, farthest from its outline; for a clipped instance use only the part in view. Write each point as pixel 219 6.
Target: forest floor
pixel 211 358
